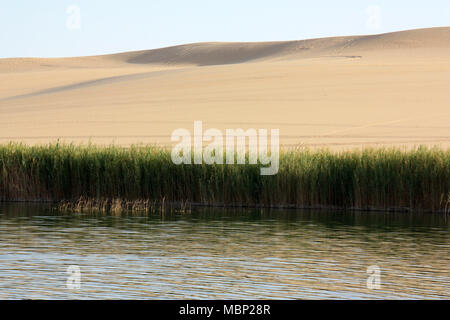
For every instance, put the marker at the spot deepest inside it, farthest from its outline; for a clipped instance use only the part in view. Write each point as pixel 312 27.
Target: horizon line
pixel 224 42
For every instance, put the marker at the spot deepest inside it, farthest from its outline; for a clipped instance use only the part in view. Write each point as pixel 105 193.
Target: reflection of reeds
pixel 379 179
pixel 119 206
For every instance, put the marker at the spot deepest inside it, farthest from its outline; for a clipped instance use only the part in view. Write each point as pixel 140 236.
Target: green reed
pixel 382 178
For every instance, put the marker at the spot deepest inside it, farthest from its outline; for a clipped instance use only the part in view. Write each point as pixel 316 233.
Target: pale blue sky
pixel 45 29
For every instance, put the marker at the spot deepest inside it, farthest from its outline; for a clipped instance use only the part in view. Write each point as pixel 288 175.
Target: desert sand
pixel 341 92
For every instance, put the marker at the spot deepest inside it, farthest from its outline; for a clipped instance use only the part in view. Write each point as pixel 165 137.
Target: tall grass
pixel 381 179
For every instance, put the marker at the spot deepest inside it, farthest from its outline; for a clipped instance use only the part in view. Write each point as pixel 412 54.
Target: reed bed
pixel 144 177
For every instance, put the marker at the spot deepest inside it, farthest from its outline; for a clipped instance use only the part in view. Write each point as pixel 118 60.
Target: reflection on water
pixel 210 253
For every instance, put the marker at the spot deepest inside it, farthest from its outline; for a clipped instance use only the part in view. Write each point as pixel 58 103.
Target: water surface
pixel 222 254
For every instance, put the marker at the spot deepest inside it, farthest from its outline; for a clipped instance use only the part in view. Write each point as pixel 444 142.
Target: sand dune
pixel 202 54
pixel 341 92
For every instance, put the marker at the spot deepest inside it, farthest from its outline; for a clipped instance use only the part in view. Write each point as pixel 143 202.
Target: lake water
pixel 223 254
